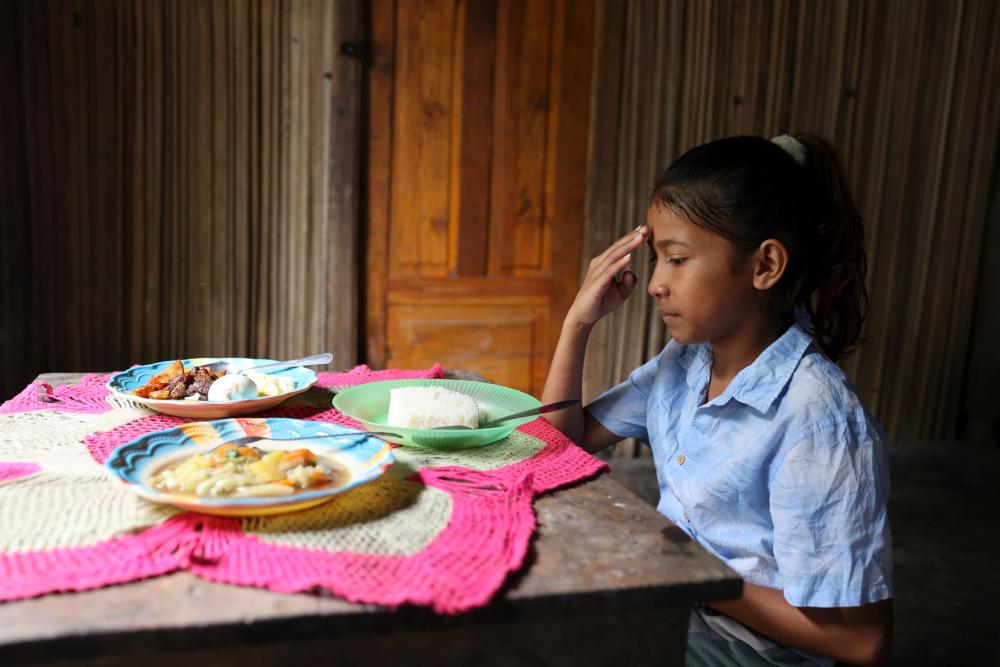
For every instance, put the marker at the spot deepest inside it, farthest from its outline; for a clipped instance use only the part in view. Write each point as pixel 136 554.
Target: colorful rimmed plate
pixel 124 383
pixel 365 457
pixel 369 404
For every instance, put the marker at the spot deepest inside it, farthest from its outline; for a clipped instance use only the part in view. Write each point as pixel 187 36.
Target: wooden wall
pixel 178 178
pixel 907 90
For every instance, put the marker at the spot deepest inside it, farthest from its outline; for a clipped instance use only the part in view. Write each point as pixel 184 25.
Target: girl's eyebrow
pixel 664 243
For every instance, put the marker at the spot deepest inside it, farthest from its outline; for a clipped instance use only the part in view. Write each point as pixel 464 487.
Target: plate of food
pixel 417 409
pixel 249 467
pixel 186 388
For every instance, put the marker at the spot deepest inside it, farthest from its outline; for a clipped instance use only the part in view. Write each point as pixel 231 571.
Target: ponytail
pixel 834 295
pixel 750 189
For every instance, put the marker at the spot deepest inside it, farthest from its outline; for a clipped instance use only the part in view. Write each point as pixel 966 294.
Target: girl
pixel 763 451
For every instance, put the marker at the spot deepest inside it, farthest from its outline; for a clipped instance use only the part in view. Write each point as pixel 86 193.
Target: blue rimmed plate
pixel 364 457
pixel 124 383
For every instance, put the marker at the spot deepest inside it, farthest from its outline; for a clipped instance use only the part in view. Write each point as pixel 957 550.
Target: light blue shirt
pixel 784 476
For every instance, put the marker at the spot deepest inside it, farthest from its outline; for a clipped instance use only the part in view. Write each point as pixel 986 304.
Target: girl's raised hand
pixel 601 291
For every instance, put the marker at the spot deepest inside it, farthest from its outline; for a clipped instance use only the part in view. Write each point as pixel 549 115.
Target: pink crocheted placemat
pixel 362 374
pixel 86 396
pixel 442 530
pixel 90 393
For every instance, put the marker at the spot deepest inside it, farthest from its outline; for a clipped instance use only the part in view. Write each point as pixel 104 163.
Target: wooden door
pixel 477 147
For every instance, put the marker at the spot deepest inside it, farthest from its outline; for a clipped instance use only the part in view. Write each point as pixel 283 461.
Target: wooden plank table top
pixel 602 562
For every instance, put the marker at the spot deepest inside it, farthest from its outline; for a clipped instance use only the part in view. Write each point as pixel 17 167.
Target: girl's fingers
pixel 630 240
pixel 600 280
pixel 627 284
pixel 635 236
pixel 624 245
pixel 607 273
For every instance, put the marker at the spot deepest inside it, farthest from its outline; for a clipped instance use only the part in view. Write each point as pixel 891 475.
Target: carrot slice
pixel 297 457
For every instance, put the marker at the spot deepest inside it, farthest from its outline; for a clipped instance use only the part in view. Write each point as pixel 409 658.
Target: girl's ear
pixel 770 263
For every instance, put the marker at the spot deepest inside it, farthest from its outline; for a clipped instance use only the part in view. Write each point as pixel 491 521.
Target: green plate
pixel 369 404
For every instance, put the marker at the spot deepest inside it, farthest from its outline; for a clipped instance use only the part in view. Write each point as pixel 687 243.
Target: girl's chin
pixel 682 334
pixel 678 336
pixel 676 331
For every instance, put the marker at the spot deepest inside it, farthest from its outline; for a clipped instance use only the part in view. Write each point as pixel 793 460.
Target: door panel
pixel 421 133
pixel 518 215
pixel 504 343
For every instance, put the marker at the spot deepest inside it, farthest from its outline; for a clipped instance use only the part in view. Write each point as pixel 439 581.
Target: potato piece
pixel 267 470
pixel 159 382
pixel 167 374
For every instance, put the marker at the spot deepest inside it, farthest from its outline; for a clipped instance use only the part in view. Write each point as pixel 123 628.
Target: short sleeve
pixel 828 502
pixel 622 409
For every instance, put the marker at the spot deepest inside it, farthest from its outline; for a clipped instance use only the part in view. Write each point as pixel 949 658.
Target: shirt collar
pixel 697 363
pixel 760 383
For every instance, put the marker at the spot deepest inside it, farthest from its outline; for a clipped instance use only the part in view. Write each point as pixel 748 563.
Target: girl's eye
pixel 677 261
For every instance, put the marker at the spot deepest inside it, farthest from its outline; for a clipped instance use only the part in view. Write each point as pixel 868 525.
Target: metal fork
pixel 246 440
pixel 230 369
pixel 540 410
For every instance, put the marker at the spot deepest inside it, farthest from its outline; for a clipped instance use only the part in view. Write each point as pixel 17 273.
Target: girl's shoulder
pixel 820 393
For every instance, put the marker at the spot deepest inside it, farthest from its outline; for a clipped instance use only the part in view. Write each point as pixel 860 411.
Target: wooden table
pixel 608 581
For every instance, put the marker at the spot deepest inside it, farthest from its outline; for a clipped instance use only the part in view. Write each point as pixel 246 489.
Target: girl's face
pixel 698 293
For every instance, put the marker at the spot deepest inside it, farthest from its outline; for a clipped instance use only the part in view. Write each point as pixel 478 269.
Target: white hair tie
pixel 793 147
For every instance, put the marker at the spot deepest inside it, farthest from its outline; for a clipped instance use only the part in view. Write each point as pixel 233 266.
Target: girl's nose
pixel 657 288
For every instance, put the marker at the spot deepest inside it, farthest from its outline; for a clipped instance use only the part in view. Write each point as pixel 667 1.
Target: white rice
pixel 428 407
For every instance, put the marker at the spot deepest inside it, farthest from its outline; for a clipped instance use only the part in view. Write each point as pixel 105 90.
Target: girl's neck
pixel 739 349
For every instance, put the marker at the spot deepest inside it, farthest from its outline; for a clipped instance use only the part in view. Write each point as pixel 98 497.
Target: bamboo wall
pixel 179 179
pixel 907 90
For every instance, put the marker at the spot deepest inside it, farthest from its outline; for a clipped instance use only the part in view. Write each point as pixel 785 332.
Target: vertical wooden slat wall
pixel 179 179
pixel 909 93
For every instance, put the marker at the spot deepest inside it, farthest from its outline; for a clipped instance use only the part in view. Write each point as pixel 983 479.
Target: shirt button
pixel 680 459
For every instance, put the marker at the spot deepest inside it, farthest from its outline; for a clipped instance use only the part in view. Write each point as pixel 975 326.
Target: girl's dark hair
pixel 749 189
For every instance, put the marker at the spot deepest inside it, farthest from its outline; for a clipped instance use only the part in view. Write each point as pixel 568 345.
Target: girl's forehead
pixel 664 221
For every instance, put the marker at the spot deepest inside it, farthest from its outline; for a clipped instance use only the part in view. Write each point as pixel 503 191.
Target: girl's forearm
pixel 565 379
pixel 858 635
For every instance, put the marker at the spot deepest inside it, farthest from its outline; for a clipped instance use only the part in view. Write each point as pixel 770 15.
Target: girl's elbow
pixel 865 634
pixel 872 652
pixel 872 647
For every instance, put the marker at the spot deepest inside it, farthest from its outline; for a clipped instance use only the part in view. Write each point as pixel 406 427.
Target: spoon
pixel 246 440
pixel 540 410
pixel 232 369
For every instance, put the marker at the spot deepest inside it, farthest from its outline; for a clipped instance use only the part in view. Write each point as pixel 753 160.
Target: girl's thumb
pixel 627 284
